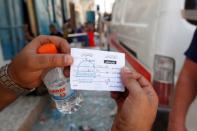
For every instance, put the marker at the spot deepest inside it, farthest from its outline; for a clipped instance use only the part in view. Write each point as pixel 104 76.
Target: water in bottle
pixel 67 100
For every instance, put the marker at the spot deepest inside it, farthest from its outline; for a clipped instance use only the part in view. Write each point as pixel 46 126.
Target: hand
pixel 137 106
pixel 28 67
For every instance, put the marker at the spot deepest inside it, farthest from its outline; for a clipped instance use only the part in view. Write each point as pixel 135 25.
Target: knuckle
pixel 29 60
pixel 40 36
pixel 58 38
pixel 42 61
pixel 56 60
pixel 130 75
pixel 137 75
pixel 156 99
pixel 52 60
pixel 141 95
pixel 66 60
pixel 60 60
pixel 129 80
pixel 63 62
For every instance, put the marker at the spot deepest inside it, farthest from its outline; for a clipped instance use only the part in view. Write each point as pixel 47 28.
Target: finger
pixel 131 84
pixel 38 41
pixel 151 94
pixel 44 61
pixel 144 82
pixel 141 79
pixel 60 43
pixel 67 71
pixel 148 88
pixel 115 95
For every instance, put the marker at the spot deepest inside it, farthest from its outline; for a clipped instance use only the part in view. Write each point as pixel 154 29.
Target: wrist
pixel 8 82
pixel 177 119
pixel 12 75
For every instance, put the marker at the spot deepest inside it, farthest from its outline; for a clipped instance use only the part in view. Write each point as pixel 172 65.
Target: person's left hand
pixel 137 106
pixel 28 68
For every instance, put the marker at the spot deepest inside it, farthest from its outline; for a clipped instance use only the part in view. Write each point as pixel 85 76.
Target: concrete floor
pixel 94 113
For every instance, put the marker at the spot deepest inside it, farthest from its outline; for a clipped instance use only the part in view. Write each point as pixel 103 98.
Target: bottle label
pixel 60 90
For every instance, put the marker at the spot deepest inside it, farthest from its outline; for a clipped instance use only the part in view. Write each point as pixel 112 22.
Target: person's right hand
pixel 137 106
pixel 28 67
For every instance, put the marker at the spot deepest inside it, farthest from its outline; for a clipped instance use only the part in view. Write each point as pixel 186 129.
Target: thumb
pixel 131 84
pixel 43 61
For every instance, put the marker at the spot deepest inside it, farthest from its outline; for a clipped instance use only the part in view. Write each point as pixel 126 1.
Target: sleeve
pixel 191 52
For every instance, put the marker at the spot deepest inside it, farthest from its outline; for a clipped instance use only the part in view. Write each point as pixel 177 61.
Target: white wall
pixel 105 5
pixel 2 61
pixel 1 55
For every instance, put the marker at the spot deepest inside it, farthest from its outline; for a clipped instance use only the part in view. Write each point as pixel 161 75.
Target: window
pixel 190 12
pixel 191 4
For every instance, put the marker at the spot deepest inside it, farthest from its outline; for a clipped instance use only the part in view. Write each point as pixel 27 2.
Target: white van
pixel 156 32
pixel 152 27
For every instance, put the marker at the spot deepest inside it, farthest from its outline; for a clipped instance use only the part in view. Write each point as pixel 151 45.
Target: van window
pixel 191 4
pixel 190 11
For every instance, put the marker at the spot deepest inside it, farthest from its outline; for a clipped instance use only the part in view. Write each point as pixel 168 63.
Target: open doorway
pixel 27 30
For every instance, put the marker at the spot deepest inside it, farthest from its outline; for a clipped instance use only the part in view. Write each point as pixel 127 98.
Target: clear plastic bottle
pixel 67 101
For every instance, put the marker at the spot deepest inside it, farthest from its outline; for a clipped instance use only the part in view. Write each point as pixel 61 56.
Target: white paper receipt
pixel 96 70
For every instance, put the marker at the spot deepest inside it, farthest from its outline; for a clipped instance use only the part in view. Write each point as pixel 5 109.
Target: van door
pixel 11 27
pixel 44 15
pixel 58 12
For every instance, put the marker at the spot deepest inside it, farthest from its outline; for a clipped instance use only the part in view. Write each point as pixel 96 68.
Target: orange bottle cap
pixel 49 48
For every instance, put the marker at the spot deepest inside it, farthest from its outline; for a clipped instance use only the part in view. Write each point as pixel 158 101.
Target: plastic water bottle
pixel 67 101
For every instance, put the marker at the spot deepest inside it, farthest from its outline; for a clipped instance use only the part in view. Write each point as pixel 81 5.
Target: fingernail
pixel 126 69
pixel 66 74
pixel 68 59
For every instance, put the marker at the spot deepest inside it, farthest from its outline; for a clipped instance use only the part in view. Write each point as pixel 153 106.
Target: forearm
pixel 6 97
pixel 184 96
